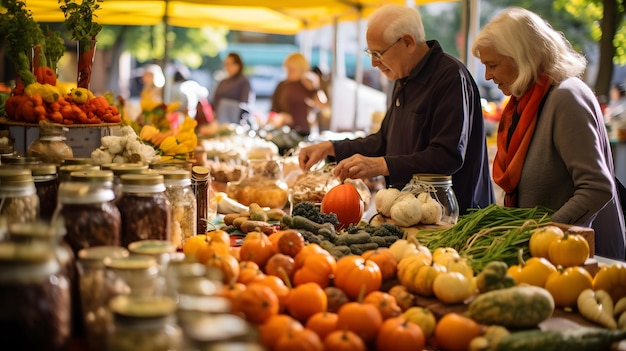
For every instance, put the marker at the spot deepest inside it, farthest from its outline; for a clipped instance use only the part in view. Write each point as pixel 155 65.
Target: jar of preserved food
pixel 183 205
pixel 136 275
pixel 192 308
pixel 119 169
pixel 263 185
pixel 100 178
pixel 144 323
pixel 17 160
pixel 66 171
pixel 440 188
pixel 7 143
pixel 77 161
pixel 171 164
pixel 19 202
pixel 47 185
pixel 201 186
pixel 145 209
pixel 94 293
pixel 51 146
pixel 160 250
pixel 34 299
pixel 218 328
pixel 91 217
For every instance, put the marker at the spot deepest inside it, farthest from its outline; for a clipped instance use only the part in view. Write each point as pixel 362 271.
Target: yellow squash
pixel 571 250
pixel 611 279
pixel 534 271
pixel 567 283
pixel 541 239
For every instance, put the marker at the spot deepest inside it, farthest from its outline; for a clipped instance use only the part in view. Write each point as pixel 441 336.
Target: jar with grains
pixel 263 185
pixel 144 323
pixel 94 294
pixel 119 169
pixel 136 275
pixel 91 218
pixel 34 299
pixel 51 145
pixel 145 209
pixel 47 185
pixel 440 188
pixel 66 171
pixel 183 205
pixel 19 202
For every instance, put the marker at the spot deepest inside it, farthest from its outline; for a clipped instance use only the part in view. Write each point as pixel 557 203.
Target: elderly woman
pixel 553 148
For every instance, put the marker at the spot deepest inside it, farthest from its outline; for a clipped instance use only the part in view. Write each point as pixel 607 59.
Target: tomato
pixel 566 284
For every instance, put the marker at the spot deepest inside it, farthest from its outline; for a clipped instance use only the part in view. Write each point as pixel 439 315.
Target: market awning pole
pixel 165 60
pixel 358 76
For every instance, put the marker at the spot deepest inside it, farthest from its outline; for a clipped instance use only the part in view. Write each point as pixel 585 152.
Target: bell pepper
pixel 80 95
pixel 49 93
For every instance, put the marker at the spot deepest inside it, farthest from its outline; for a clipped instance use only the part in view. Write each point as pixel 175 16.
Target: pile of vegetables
pixel 406 209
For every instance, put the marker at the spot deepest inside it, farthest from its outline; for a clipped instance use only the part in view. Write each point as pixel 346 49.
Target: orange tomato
pixel 454 332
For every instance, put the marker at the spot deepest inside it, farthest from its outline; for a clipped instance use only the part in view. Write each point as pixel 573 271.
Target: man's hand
pixel 311 155
pixel 359 166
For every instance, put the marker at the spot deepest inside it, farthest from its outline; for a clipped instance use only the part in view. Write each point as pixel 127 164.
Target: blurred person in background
pixel 233 92
pixel 617 106
pixel 552 145
pixel 434 123
pixel 295 97
pixel 153 81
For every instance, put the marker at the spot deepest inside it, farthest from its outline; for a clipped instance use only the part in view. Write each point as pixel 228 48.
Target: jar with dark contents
pixel 183 205
pixel 19 202
pixel 94 293
pixel 91 218
pixel 144 323
pixel 51 145
pixel 119 169
pixel 66 171
pixel 47 185
pixel 201 185
pixel 145 209
pixel 34 299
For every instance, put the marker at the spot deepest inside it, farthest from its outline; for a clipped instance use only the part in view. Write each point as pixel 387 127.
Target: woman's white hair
pixel 400 21
pixel 533 45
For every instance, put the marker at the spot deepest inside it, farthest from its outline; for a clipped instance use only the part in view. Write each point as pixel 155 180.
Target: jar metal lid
pixel 127 168
pixel 96 176
pixel 143 307
pixel 32 252
pixel 171 165
pixel 200 171
pixel 77 161
pixel 99 253
pixel 43 169
pixel 218 327
pixel 38 229
pixel 15 177
pixel 151 247
pixel 431 177
pixel 132 262
pixel 65 171
pixel 83 193
pixel 175 174
pixel 18 160
pixel 141 179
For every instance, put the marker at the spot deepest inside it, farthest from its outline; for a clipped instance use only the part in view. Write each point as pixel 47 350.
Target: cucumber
pixel 349 239
pixel 577 339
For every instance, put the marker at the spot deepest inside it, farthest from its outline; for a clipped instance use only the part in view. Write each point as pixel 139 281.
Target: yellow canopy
pixel 268 16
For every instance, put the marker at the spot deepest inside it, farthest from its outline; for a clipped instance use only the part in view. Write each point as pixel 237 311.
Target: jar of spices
pixel 119 169
pixel 440 188
pixel 34 299
pixel 51 146
pixel 18 196
pixel 145 209
pixel 91 217
pixel 183 205
pixel 47 185
pixel 66 171
pixel 136 275
pixel 144 323
pixel 94 294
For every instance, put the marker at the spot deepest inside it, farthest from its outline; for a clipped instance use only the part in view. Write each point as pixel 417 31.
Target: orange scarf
pixel 509 161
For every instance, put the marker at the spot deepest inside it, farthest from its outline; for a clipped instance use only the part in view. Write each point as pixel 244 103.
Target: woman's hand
pixel 361 167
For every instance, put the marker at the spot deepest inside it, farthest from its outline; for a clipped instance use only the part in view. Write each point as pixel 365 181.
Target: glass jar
pixel 440 188
pixel 201 186
pixel 119 169
pixel 263 185
pixel 51 146
pixel 160 250
pixel 66 171
pixel 144 323
pixel 19 202
pixel 91 217
pixel 34 299
pixel 312 186
pixel 183 205
pixel 136 275
pixel 77 161
pixel 99 178
pixel 192 308
pixel 7 143
pixel 145 209
pixel 218 328
pixel 94 294
pixel 47 185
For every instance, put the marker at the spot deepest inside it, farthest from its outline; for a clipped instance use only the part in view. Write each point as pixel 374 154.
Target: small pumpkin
pixel 426 275
pixel 345 201
pixel 384 199
pixel 443 255
pixel 343 340
pixel 404 298
pixel 576 279
pixel 278 287
pixel 453 287
pixel 318 269
pixel 399 334
pixel 611 279
pixel 231 291
pixel 385 260
pixel 363 319
pixel 309 249
pixel 256 248
pixel 534 271
pixel 207 250
pixel 541 238
pixel 257 303
pixel 218 235
pixel 300 340
pixel 407 211
pixel 275 327
pixel 227 265
pixel 322 323
pixel 422 317
pixel 408 269
pixel 280 265
pixel 336 298
pixel 290 242
pixel 306 300
pixel 571 250
pixel 354 273
pixel 385 303
pixel 249 273
pixel 403 248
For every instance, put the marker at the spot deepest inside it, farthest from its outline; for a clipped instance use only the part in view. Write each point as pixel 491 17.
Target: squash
pixel 354 275
pixel 299 340
pixel 385 303
pixel 426 277
pixel 576 279
pixel 278 287
pixel 407 212
pixel 493 277
pixel 541 238
pixel 317 269
pixel 385 260
pixel 570 339
pixel 227 265
pixel 569 251
pixel 256 247
pixel 611 279
pixel 363 319
pixel 408 269
pixel 535 271
pixel 345 201
pixel 384 199
pixel 404 298
pixel 306 300
pixel 453 287
pixel 515 307
pixel 290 242
pixel 403 248
pixel 280 265
pixel 422 317
pixel 597 306
pixel 432 210
pixel 399 334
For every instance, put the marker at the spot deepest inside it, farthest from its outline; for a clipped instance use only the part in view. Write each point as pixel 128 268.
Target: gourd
pixel 407 212
pixel 384 199
pixel 422 317
pixel 576 339
pixel 517 307
pixel 611 279
pixel 493 277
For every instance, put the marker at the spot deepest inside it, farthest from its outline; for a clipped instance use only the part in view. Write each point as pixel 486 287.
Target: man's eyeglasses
pixel 378 55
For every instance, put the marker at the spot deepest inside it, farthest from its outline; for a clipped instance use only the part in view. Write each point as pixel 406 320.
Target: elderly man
pixel 434 123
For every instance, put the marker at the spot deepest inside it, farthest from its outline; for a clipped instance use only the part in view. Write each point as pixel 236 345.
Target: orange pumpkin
pixel 344 201
pixel 274 237
pixel 227 265
pixel 218 235
pixel 322 323
pixel 278 287
pixel 275 327
pixel 231 291
pixel 248 274
pixel 248 264
pixel 299 340
pixel 385 303
pixel 257 303
pixel 363 319
pixel 343 340
pixel 317 269
pixel 306 300
pixel 354 273
pixel 280 265
pixel 309 249
pixel 404 298
pixel 385 261
pixel 256 248
pixel 336 298
pixel 290 242
pixel 398 334
pixel 45 75
pixel 207 250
